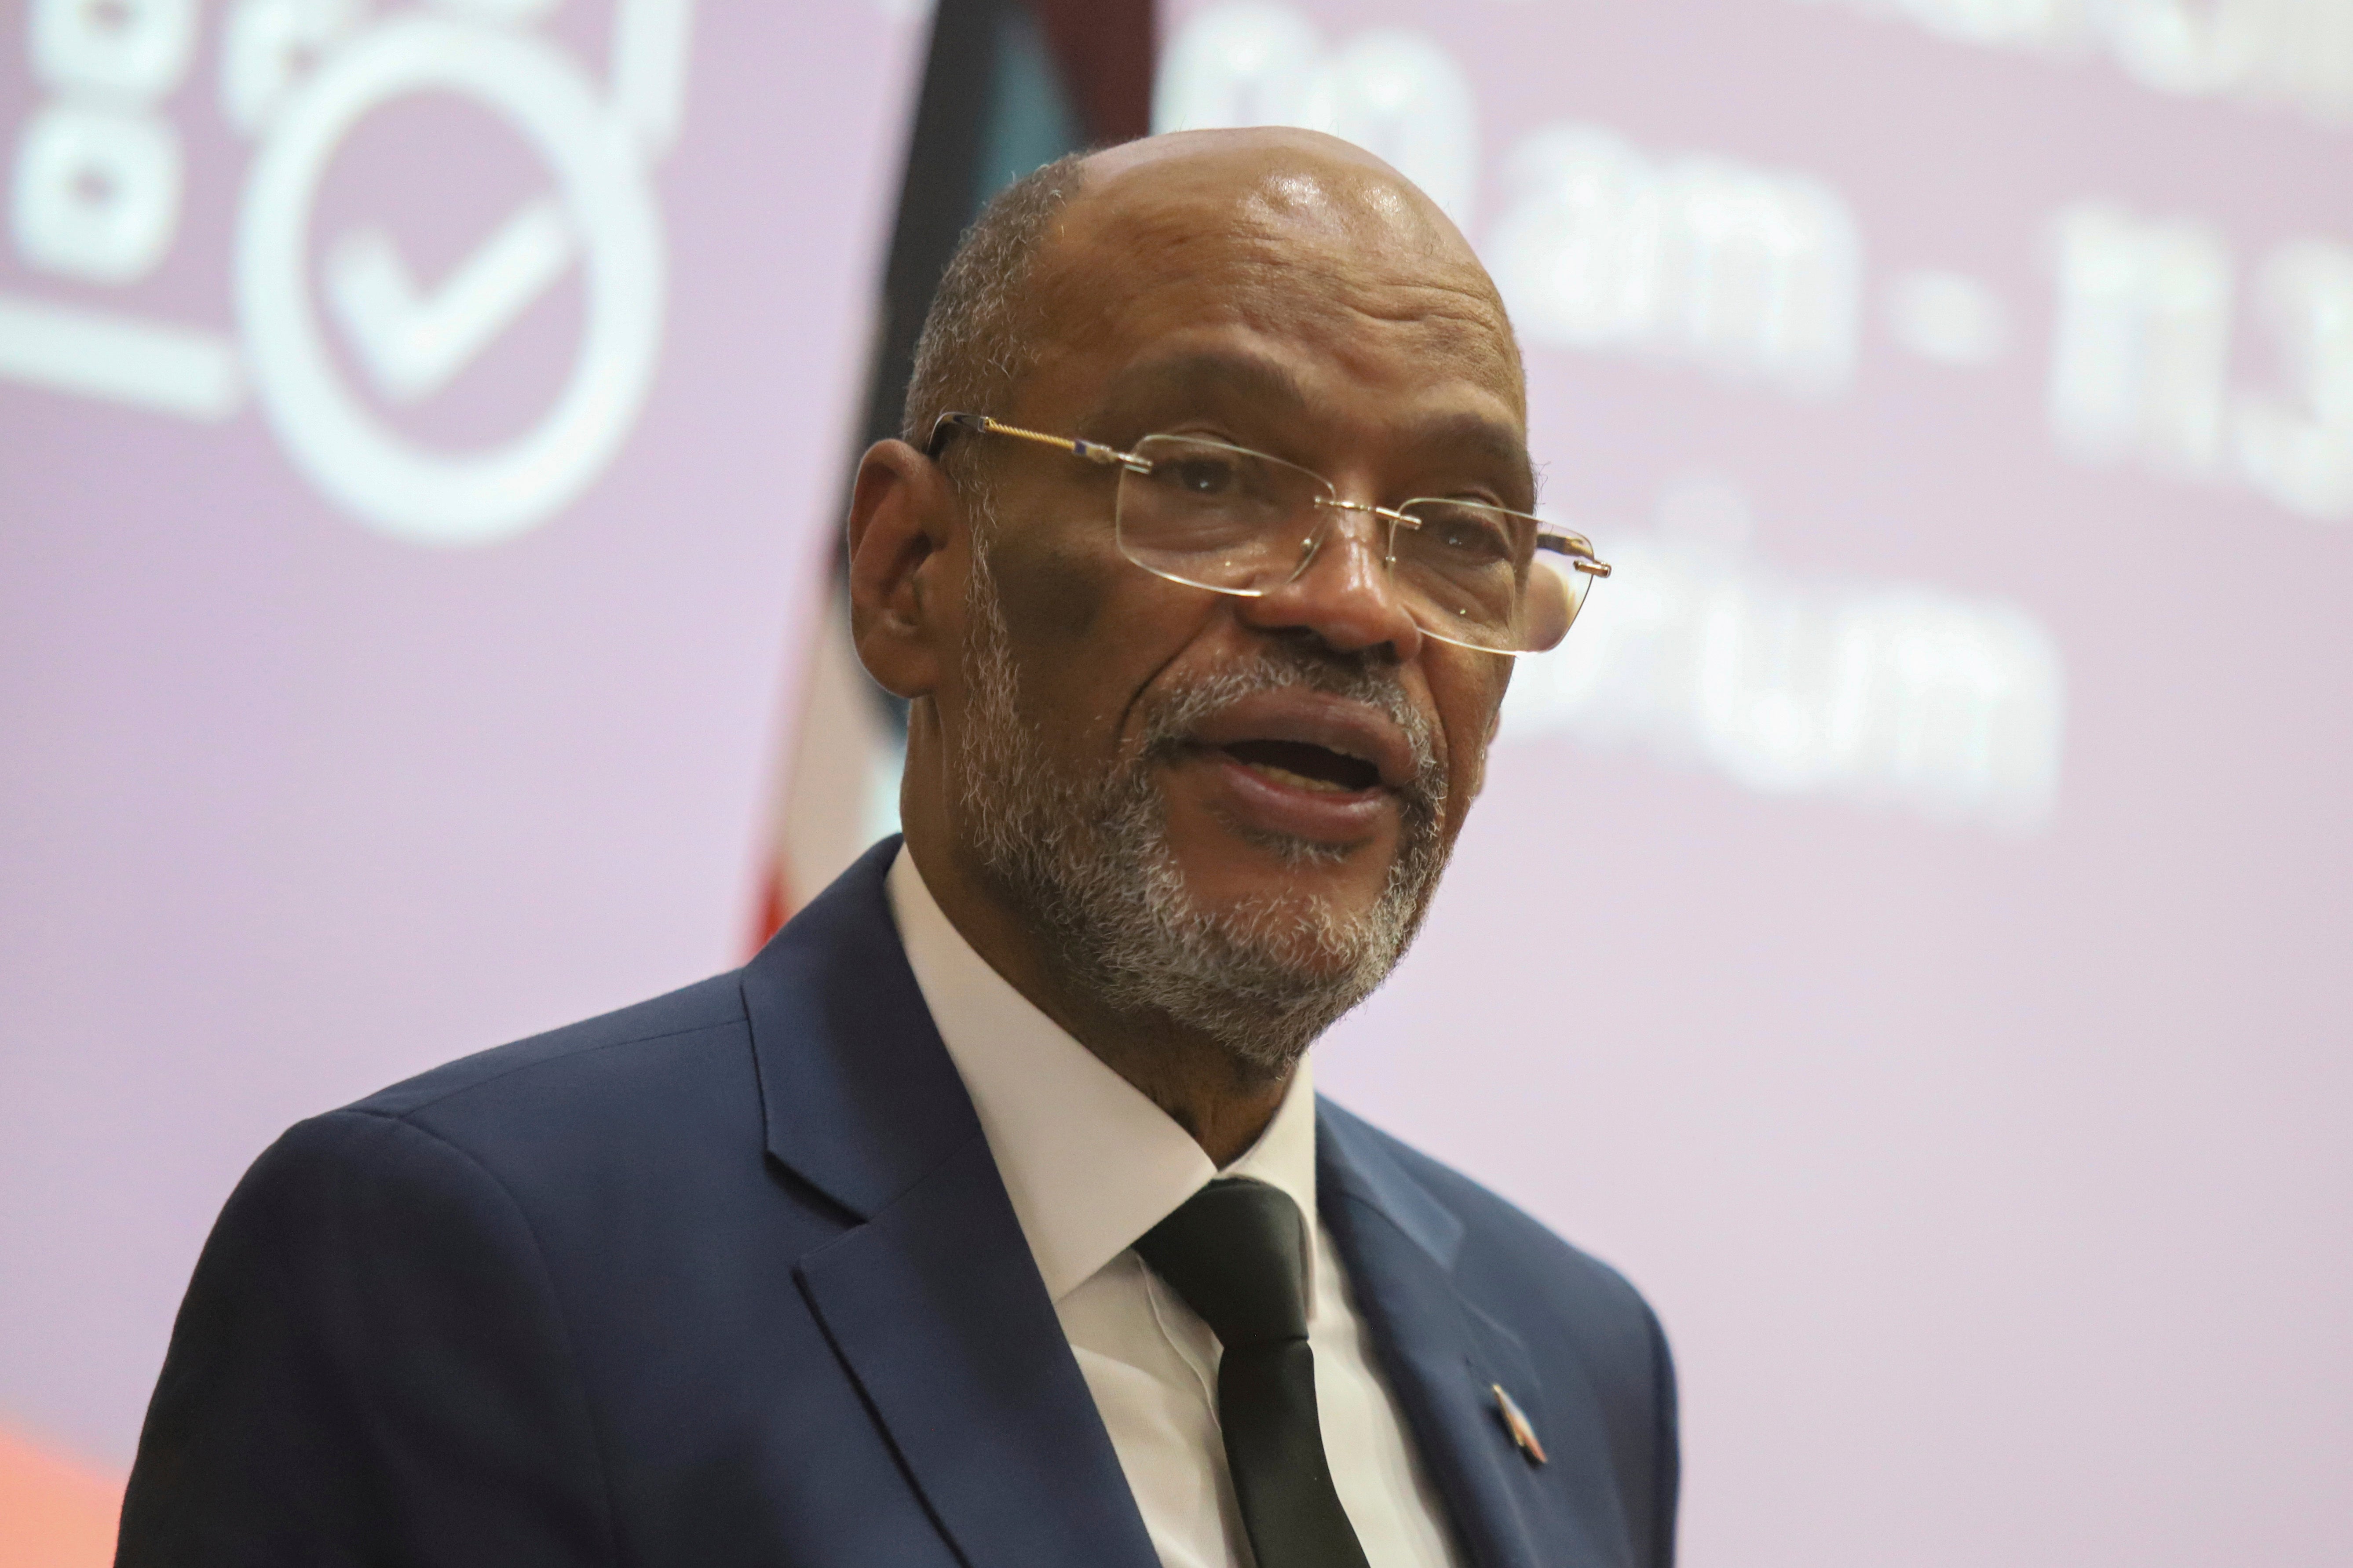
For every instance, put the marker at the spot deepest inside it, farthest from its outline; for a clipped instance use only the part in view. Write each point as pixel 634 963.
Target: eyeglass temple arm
pixel 981 424
pixel 1579 552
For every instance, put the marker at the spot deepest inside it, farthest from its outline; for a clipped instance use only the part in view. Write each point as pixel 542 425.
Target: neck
pixel 1222 1103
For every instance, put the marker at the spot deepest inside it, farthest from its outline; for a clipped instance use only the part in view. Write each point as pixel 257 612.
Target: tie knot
pixel 1237 1252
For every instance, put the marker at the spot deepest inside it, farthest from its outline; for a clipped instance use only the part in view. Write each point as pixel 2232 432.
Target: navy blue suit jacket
pixel 729 1277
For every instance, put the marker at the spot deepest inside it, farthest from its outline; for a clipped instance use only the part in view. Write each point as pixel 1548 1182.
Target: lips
pixel 1303 765
pixel 1303 761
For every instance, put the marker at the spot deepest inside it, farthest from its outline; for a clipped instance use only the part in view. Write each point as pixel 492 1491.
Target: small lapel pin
pixel 1517 1424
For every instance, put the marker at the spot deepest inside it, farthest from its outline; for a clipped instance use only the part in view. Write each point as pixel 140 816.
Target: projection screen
pixel 1904 926
pixel 420 428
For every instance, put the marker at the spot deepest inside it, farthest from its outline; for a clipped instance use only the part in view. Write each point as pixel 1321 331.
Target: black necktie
pixel 1237 1252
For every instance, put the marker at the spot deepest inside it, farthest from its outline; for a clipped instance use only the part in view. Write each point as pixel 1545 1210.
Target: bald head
pixel 1273 211
pixel 1273 179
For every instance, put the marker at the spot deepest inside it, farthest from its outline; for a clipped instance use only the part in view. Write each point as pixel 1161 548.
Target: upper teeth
pixel 1301 780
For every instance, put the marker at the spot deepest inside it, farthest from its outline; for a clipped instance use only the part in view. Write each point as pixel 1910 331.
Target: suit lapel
pixel 930 1298
pixel 938 1310
pixel 1444 1357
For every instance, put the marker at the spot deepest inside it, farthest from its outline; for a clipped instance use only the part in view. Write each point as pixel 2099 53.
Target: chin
pixel 1231 866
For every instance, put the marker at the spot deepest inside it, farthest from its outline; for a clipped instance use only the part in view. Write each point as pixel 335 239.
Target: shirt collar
pixel 1090 1162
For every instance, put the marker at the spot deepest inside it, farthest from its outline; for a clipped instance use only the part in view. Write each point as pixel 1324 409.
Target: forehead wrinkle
pixel 1266 267
pixel 1269 289
pixel 1458 333
pixel 1441 292
pixel 1201 372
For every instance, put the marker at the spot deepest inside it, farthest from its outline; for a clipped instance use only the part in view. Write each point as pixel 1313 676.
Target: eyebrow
pixel 1208 379
pixel 1485 441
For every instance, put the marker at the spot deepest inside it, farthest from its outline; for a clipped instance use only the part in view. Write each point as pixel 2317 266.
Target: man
pixel 988 1217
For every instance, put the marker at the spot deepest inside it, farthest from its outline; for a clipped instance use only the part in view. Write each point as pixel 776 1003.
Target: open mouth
pixel 1301 764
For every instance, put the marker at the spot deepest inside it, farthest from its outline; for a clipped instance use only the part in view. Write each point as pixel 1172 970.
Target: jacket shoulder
pixel 611 1049
pixel 1552 1294
pixel 1496 1230
pixel 1583 1322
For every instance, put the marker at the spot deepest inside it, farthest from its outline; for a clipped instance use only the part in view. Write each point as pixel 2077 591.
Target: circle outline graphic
pixel 401 488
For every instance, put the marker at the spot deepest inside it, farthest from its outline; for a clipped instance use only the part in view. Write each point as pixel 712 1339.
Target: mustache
pixel 1175 714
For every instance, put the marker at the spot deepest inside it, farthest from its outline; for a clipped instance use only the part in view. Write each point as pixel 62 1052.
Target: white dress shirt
pixel 1090 1164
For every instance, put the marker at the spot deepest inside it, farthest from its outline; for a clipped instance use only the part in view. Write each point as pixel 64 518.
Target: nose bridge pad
pixel 1312 546
pixel 1329 517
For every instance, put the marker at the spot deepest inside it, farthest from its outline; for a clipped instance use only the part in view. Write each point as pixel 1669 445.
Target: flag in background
pixel 1009 86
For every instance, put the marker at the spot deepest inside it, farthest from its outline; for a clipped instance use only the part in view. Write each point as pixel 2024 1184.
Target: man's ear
pixel 902 519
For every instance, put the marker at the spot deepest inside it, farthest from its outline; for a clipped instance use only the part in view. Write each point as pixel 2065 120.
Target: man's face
pixel 1260 791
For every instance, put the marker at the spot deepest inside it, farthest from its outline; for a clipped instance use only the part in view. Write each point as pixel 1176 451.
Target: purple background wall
pixel 1905 927
pixel 291 806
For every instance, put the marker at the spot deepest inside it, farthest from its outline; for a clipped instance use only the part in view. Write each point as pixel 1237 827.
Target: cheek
pixel 1088 630
pixel 1052 598
pixel 1058 568
pixel 1468 703
pixel 1056 561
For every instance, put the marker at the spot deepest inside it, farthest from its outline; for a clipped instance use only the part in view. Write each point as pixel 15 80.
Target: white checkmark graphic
pixel 411 343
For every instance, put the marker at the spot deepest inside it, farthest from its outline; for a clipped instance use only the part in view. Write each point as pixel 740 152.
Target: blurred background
pixel 1907 927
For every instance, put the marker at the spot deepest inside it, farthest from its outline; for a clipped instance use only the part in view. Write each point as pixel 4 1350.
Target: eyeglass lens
pixel 1235 521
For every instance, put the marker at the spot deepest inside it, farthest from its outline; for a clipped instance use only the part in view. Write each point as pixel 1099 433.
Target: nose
pixel 1343 592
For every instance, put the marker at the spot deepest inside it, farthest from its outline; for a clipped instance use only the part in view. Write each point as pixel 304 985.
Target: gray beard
pixel 1088 861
